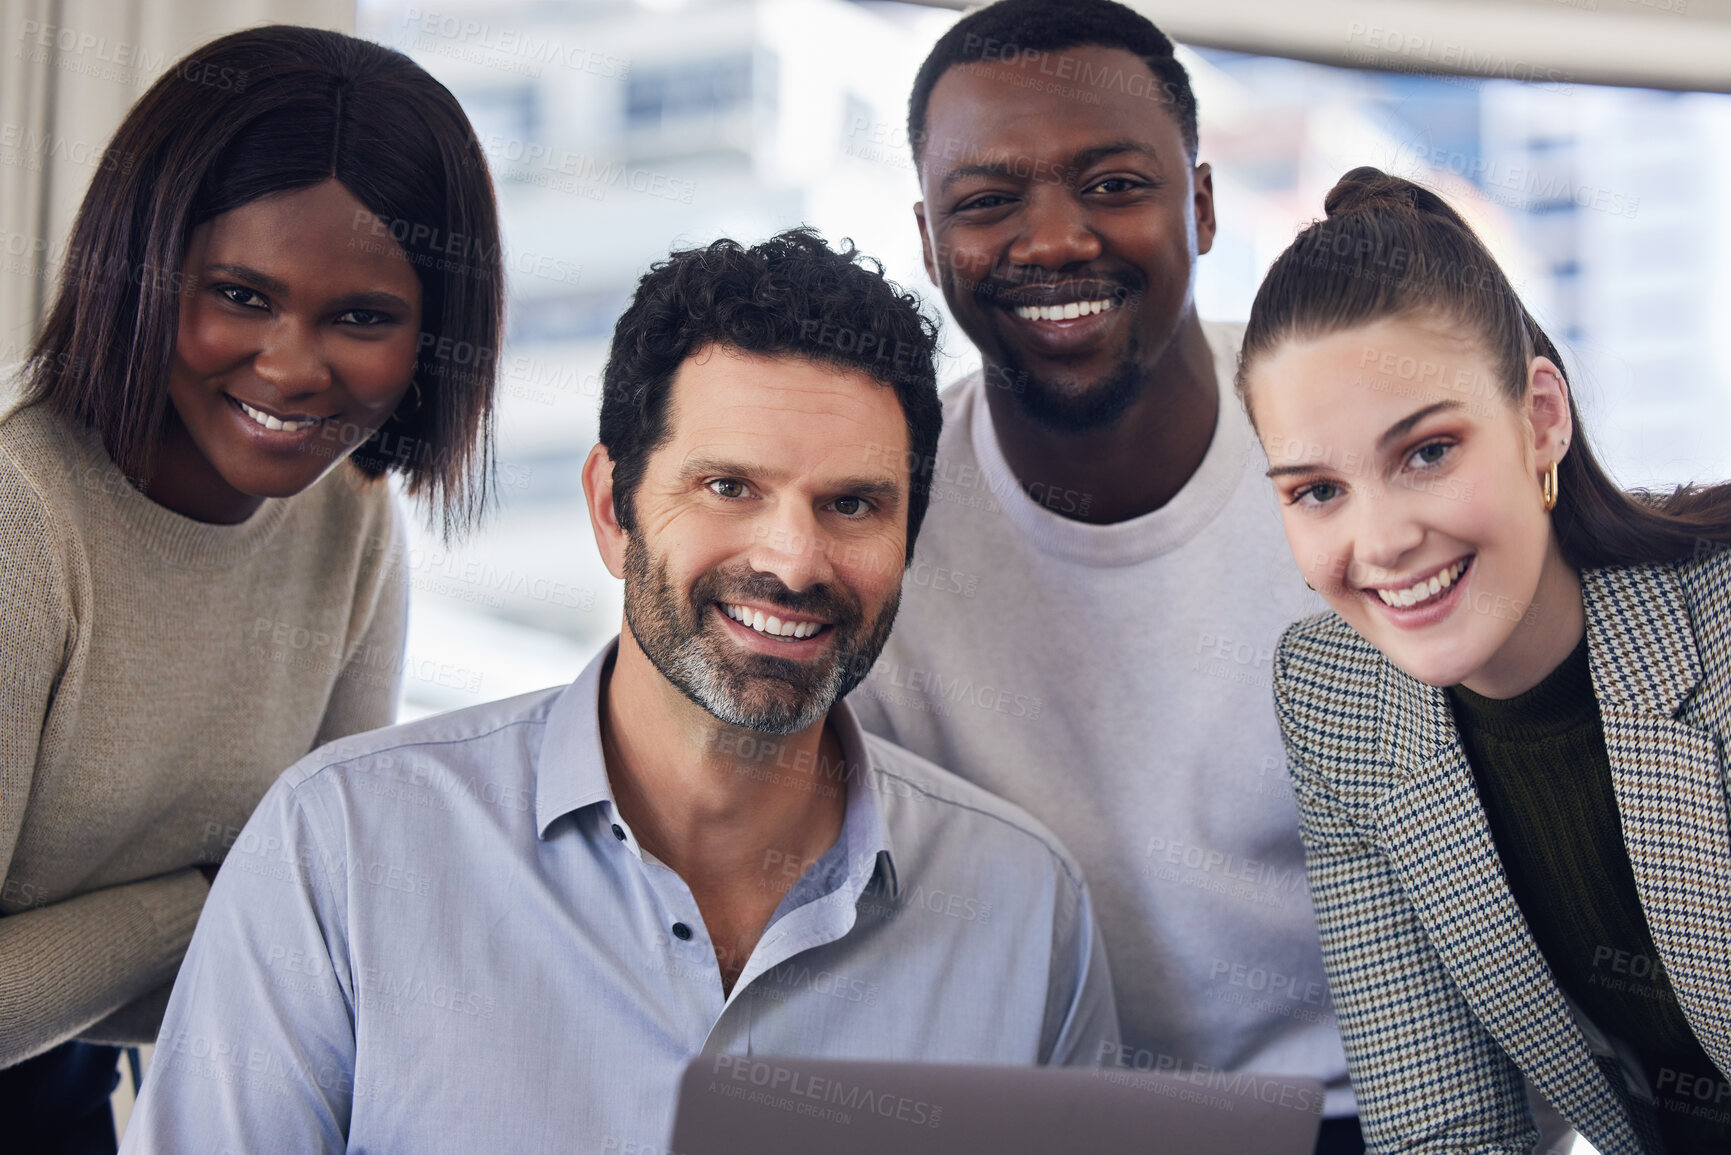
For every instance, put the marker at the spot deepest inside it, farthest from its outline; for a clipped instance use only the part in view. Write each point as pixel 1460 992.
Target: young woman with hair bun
pixel 1508 738
pixel 269 293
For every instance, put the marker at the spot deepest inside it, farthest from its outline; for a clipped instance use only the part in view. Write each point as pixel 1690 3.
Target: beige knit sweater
pixel 156 675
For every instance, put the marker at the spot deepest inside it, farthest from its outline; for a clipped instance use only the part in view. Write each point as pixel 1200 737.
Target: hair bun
pixel 1366 188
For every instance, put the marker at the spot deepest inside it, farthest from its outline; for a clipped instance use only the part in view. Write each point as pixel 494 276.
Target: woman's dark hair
pixel 266 111
pixel 1392 248
pixel 790 296
pixel 1012 29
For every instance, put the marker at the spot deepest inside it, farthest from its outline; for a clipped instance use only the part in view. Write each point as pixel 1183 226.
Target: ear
pixel 610 536
pixel 926 251
pixel 1202 181
pixel 1548 415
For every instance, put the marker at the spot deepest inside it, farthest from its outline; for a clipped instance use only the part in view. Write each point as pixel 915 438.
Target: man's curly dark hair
pixel 790 296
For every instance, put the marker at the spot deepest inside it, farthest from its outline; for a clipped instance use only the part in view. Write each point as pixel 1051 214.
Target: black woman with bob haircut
pixel 286 285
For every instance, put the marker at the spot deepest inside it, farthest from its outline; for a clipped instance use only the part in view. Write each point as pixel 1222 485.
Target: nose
pixel 1386 534
pixel 1055 230
pixel 789 542
pixel 292 360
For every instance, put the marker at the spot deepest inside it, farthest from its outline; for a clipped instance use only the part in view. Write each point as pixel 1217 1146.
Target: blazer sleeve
pixel 1426 1074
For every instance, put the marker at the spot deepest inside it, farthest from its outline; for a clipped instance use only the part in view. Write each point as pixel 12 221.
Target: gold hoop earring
pixel 1548 487
pixel 416 387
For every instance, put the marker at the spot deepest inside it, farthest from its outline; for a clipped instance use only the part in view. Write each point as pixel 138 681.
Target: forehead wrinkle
pixel 832 465
pixel 781 413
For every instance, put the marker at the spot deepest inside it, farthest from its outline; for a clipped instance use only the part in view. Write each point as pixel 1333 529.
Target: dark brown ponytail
pixel 1392 248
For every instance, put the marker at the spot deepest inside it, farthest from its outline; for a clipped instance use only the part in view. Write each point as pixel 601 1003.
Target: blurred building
pixel 619 129
pixel 1623 192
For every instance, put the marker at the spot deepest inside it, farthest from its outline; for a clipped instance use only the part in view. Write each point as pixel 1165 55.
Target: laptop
pixel 761 1105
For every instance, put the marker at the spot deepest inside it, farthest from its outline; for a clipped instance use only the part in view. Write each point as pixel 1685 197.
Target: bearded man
pixel 510 927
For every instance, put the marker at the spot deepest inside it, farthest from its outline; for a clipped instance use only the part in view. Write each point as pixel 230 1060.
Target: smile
pixel 1068 311
pixel 770 624
pixel 1419 593
pixel 267 421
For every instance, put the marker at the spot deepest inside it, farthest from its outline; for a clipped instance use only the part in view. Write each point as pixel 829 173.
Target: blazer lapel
pixel 1669 784
pixel 1436 836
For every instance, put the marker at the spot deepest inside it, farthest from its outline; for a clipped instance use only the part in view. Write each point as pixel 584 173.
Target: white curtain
pixel 69 70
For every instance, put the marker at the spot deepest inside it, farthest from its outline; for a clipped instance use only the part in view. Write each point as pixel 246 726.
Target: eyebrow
pixel 248 273
pixel 885 493
pixel 364 299
pixel 1404 426
pixel 1081 160
pixel 1090 156
pixel 1393 433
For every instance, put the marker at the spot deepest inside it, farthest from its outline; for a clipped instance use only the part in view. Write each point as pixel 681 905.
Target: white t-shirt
pixel 1114 680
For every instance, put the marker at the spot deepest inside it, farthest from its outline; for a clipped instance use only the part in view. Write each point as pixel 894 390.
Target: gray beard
pixel 752 691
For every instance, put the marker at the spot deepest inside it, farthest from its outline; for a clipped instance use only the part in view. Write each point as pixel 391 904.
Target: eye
pixel 1430 454
pixel 851 507
pixel 1315 494
pixel 242 296
pixel 728 487
pixel 983 201
pixel 1115 184
pixel 365 318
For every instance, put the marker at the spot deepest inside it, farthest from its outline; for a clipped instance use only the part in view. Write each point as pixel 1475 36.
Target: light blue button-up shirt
pixel 442 937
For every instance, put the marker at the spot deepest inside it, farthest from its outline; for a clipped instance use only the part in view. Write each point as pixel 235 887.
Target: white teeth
pixel 773 626
pixel 1425 590
pixel 265 419
pixel 1065 312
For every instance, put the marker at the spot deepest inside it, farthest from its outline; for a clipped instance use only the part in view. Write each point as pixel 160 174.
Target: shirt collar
pixel 864 832
pixel 571 772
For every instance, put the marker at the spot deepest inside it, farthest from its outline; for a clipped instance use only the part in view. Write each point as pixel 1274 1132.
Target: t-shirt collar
pixel 1139 538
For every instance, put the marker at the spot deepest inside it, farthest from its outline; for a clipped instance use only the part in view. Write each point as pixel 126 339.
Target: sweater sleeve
pixel 366 691
pixel 134 1024
pixel 64 964
pixel 1426 1074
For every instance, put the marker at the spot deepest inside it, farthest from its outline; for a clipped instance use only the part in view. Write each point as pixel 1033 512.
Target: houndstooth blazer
pixel 1442 994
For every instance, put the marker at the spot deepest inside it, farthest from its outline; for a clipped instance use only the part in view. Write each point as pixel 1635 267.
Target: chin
pixel 1440 665
pixel 269 486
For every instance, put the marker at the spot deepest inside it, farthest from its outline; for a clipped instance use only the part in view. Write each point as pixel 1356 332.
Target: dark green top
pixel 1544 780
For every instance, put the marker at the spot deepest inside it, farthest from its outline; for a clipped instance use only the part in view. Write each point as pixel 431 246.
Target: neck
pixel 1133 466
pixel 1543 638
pixel 727 809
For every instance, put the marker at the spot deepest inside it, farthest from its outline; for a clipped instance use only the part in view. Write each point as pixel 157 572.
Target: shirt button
pixel 619 832
pixel 681 931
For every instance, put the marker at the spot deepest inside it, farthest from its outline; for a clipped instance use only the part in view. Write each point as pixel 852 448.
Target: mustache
pixel 755 586
pixel 996 286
